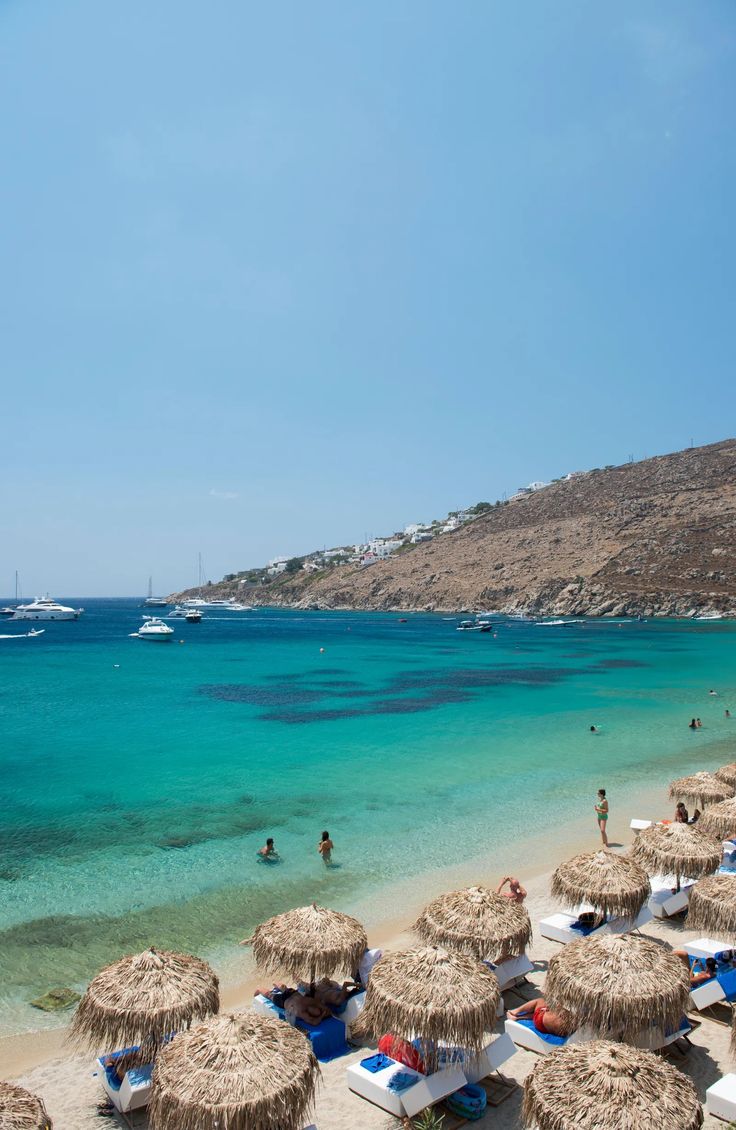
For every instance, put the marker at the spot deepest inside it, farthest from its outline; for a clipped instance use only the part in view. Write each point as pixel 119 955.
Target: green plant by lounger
pixel 429 1119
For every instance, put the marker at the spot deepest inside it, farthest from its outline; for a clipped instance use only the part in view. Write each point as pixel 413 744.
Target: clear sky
pixel 277 275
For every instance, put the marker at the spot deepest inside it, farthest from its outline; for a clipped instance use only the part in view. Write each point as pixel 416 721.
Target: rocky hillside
pixel 653 538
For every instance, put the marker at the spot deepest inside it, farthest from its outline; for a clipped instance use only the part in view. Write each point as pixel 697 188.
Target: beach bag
pixel 469 1102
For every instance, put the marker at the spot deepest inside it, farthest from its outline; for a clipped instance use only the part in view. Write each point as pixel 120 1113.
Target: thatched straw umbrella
pixel 587 1086
pixel 476 921
pixel 713 907
pixel 719 820
pixel 142 999
pixel 20 1110
pixel 234 1072
pixel 433 995
pixel 676 849
pixel 309 942
pixel 618 984
pixel 613 884
pixel 701 789
pixel 727 774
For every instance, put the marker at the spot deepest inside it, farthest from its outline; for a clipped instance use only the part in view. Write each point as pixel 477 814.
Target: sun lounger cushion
pixel 327 1038
pixel 727 981
pixel 553 1041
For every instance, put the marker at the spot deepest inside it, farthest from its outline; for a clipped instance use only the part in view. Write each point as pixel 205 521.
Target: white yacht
pixel 229 605
pixel 152 601
pixel 44 608
pixel 154 629
pixel 191 615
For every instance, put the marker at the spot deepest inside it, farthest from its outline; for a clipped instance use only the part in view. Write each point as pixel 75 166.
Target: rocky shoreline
pixel 655 538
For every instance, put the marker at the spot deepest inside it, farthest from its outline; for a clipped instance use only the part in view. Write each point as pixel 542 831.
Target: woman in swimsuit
pixel 545 1021
pixel 601 811
pixel 324 847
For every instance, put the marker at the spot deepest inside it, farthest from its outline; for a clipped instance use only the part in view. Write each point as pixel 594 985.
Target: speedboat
pixel 7 611
pixel 191 615
pixel 154 629
pixel 34 632
pixel 43 608
pixel 474 626
pixel 709 616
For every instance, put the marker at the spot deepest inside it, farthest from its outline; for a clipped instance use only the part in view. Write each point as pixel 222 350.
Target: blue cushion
pixel 557 1041
pixel 140 1076
pixel 327 1038
pixel 378 1062
pixel 727 981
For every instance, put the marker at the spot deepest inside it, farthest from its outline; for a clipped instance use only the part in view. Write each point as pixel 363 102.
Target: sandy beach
pixel 42 1061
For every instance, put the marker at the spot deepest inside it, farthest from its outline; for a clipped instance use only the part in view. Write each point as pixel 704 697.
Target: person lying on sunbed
pixel 296 1005
pixel 700 971
pixel 546 1021
pixel 329 993
pixel 589 920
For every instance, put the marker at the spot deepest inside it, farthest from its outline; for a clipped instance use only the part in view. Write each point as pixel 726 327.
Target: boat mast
pixel 150 587
pixel 199 574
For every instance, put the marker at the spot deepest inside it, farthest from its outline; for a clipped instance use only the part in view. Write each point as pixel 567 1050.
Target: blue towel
pixel 557 1041
pixel 140 1076
pixel 378 1062
pixel 401 1081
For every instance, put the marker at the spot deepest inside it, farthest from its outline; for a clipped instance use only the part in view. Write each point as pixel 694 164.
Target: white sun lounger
pixel 558 927
pixel 720 1098
pixel 526 1036
pixel 706 947
pixel 654 1039
pixel 491 1059
pixel 662 902
pixel 513 971
pixel 640 825
pixel 134 1090
pixel 427 1090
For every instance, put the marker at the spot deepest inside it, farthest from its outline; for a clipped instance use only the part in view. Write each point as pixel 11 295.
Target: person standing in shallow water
pixel 601 811
pixel 324 847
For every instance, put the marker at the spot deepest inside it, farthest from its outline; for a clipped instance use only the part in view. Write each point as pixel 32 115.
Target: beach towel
pixel 401 1081
pixel 376 1063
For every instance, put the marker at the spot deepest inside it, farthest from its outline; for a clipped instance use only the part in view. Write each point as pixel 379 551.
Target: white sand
pixel 38 1061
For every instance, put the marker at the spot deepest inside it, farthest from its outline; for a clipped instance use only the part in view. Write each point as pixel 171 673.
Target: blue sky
pixel 278 275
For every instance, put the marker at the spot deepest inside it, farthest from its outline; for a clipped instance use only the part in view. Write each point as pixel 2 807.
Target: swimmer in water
pixel 268 851
pixel 594 730
pixel 324 847
pixel 727 713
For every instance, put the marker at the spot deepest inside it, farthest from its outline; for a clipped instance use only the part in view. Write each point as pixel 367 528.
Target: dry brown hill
pixel 655 538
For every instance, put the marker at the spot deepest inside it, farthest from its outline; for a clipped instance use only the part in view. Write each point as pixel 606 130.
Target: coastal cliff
pixel 654 538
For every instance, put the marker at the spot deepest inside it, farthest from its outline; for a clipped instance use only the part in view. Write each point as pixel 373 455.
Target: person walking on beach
pixel 515 892
pixel 601 811
pixel 324 847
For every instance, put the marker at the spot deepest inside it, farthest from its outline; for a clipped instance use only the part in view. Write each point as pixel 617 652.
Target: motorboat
pixel 154 629
pixel 474 626
pixel 44 608
pixel 32 635
pixel 709 616
pixel 191 615
pixel 7 611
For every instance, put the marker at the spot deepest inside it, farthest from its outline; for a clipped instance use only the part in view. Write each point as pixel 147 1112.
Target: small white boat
pixel 43 608
pixel 34 632
pixel 709 616
pixel 191 615
pixel 153 629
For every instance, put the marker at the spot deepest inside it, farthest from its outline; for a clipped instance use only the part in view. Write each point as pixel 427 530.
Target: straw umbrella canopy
pixel 433 995
pixel 310 942
pixel 618 984
pixel 713 906
pixel 234 1072
pixel 476 921
pixel 587 1086
pixel 727 774
pixel 143 998
pixel 613 884
pixel 20 1110
pixel 682 850
pixel 719 820
pixel 701 789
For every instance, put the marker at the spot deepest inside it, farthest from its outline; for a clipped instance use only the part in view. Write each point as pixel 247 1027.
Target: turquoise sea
pixel 137 780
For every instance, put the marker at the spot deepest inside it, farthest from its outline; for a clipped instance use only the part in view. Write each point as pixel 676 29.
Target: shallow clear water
pixel 134 797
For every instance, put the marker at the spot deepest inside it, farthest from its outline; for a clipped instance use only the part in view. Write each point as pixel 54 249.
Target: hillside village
pixel 379 548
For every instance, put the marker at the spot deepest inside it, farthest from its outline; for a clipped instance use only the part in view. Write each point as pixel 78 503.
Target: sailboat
pixel 10 611
pixel 152 601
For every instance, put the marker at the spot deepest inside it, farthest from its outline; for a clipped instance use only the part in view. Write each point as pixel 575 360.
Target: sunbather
pixel 330 993
pixel 545 1021
pixel 296 1005
pixel 681 814
pixel 700 971
pixel 515 892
